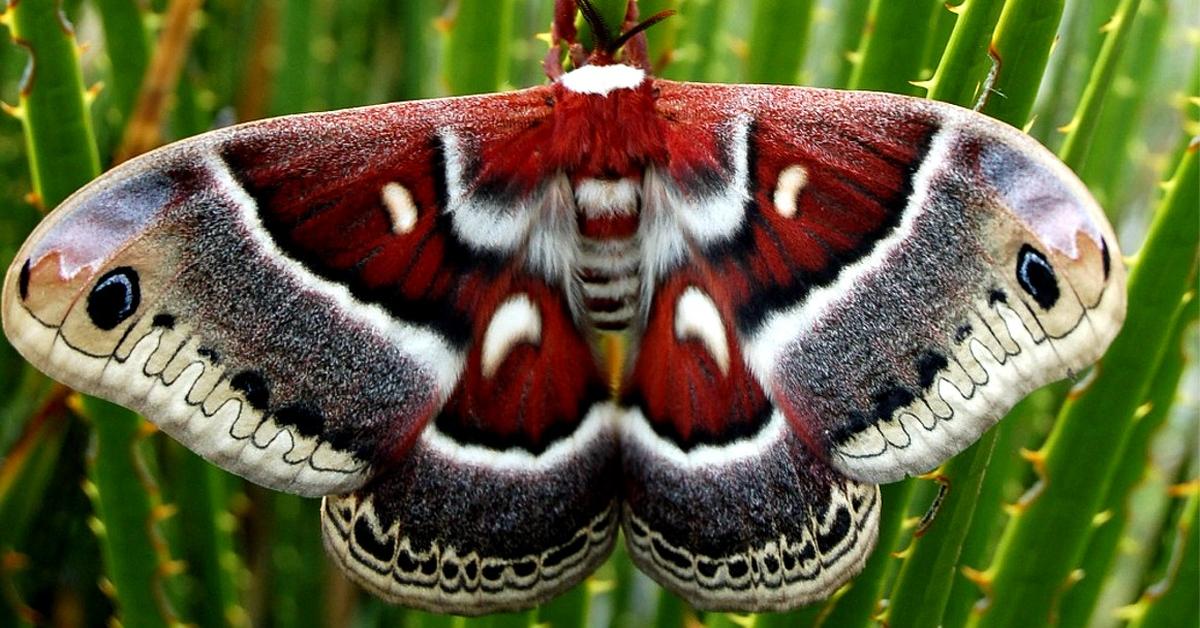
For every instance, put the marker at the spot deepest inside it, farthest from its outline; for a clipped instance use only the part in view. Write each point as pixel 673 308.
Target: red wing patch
pixel 359 197
pixel 689 378
pixel 830 175
pixel 530 375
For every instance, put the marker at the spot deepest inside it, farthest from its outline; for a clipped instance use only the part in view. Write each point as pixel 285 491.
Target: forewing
pixel 900 272
pixel 284 297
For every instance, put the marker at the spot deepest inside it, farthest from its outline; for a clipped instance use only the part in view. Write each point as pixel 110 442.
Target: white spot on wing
pixel 602 79
pixel 791 180
pixel 514 322
pixel 400 207
pixel 696 316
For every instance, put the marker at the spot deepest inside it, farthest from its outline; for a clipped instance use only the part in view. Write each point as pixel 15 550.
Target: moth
pixel 492 331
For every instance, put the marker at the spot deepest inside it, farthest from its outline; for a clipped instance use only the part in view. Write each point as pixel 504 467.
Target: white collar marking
pixel 602 79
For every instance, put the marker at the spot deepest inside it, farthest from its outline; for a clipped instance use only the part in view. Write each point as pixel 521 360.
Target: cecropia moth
pixel 494 330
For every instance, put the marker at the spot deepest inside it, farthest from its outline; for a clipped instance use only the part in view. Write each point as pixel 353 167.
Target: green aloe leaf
pixel 292 85
pixel 927 574
pixel 891 52
pixel 861 602
pixel 778 40
pixel 58 127
pixel 1110 524
pixel 965 63
pixel 128 47
pixel 1119 142
pixel 700 22
pixel 1171 601
pixel 477 42
pixel 1001 475
pixel 1084 125
pixel 1021 43
pixel 128 514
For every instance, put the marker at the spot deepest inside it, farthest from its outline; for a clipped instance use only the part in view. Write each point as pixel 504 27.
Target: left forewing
pixel 280 295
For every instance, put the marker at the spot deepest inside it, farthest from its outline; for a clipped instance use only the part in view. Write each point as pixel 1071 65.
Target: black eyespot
pixel 23 281
pixel 1036 277
pixel 115 298
pixel 738 568
pixel 364 536
pixel 491 572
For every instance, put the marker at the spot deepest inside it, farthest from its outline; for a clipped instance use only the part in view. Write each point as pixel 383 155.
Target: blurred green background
pixel 1080 508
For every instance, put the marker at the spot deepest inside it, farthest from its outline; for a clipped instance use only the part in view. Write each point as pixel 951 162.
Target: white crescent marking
pixel 597 424
pixel 431 351
pixel 514 322
pixel 636 431
pixel 696 316
pixel 481 223
pixel 716 217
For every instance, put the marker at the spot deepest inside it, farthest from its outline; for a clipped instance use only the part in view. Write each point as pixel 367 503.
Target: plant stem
pixel 965 62
pixel 1021 43
pixel 859 605
pixel 892 51
pixel 1087 116
pixel 778 39
pixel 58 126
pixel 477 46
pixel 128 511
pixel 927 575
pixel 1080 601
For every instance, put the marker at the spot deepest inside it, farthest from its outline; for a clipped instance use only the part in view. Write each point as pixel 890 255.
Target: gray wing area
pixel 759 524
pixel 470 530
pixel 1001 276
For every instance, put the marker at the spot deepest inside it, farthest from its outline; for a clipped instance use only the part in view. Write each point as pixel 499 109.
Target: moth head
pixel 92 268
pixel 609 45
pixel 1049 239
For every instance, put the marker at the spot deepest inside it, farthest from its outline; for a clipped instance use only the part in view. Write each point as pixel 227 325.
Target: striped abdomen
pixel 608 262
